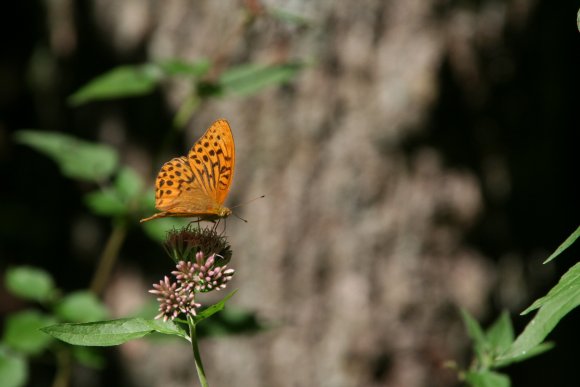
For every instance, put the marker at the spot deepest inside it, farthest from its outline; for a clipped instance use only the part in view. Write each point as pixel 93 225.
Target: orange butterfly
pixel 197 185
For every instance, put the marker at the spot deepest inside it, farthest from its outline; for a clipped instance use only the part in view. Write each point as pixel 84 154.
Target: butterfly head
pixel 224 212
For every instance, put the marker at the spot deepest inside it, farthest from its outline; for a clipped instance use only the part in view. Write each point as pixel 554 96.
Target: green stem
pixel 109 256
pixel 63 370
pixel 196 354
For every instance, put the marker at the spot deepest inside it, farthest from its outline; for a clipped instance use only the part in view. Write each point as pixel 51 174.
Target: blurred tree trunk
pixel 357 255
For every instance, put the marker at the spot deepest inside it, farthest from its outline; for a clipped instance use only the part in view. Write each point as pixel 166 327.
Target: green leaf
pixel 113 332
pixel 250 78
pixel 571 239
pixel 231 321
pixel 476 334
pixel 13 370
pixel 122 81
pixel 486 379
pixel 213 309
pixel 501 334
pixel 30 283
pixel 128 184
pixel 180 67
pixel 567 290
pixel 559 301
pixel 288 17
pixel 81 306
pixel 22 332
pixel 167 327
pixel 157 229
pixel 535 351
pixel 105 202
pixel 76 158
pixel 578 20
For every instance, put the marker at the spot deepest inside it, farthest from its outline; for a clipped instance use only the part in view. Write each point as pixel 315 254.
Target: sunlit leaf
pixel 13 370
pixel 157 229
pixel 535 351
pixel 559 301
pixel 128 183
pixel 105 202
pixel 81 306
pixel 113 332
pixel 251 78
pixel 231 321
pixel 76 158
pixel 288 17
pixel 476 334
pixel 181 67
pixel 30 283
pixel 571 239
pixel 22 332
pixel 123 81
pixel 501 334
pixel 213 309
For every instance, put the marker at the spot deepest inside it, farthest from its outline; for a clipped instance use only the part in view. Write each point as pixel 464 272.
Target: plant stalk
pixel 196 353
pixel 109 256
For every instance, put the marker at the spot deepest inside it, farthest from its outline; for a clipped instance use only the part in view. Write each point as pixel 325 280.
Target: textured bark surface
pixel 357 255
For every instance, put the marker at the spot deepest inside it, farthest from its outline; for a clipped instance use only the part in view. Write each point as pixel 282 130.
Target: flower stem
pixel 196 354
pixel 109 256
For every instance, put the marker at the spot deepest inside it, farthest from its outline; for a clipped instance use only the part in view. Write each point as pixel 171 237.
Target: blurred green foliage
pixel 497 348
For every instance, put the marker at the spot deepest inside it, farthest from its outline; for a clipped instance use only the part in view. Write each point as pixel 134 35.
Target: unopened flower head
pixel 183 244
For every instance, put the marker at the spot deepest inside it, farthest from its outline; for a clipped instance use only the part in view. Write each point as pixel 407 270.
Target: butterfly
pixel 197 185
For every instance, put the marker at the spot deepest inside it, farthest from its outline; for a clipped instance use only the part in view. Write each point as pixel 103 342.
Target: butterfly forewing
pixel 212 160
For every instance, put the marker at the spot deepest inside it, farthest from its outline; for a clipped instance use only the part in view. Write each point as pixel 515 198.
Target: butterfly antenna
pixel 248 202
pixel 242 219
pixel 243 204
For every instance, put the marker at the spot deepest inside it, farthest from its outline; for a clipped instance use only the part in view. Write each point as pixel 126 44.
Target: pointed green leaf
pixel 476 334
pixel 487 379
pixel 232 321
pixel 213 309
pixel 105 202
pixel 30 283
pixel 22 332
pixel 167 327
pixel 123 81
pixel 559 301
pixel 180 67
pixel 535 351
pixel 76 158
pixel 81 306
pixel 128 183
pixel 501 334
pixel 288 17
pixel 249 79
pixel 571 239
pixel 13 370
pixel 108 333
pixel 567 289
pixel 157 229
